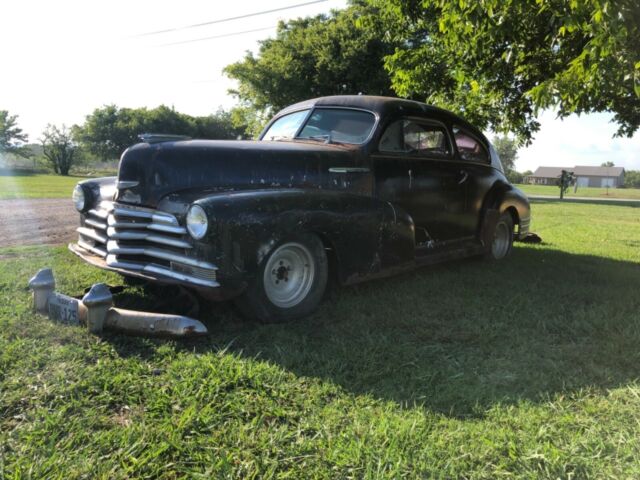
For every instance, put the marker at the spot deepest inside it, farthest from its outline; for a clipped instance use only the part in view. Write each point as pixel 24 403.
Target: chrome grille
pixel 143 240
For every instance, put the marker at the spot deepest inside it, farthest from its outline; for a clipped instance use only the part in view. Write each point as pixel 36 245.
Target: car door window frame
pixel 419 153
pixel 473 136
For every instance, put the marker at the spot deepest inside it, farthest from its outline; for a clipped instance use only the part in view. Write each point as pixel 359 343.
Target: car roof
pixel 383 106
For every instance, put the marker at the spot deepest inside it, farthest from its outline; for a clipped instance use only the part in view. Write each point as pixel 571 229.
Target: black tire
pixel 502 238
pixel 289 283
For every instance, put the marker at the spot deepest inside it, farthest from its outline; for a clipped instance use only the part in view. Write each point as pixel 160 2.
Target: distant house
pixel 586 176
pixel 545 176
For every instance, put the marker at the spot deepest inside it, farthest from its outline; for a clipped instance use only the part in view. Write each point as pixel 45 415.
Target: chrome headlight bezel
pixel 79 198
pixel 197 222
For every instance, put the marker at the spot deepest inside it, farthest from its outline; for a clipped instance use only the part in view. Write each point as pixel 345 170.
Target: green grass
pixel 626 193
pixel 526 368
pixel 36 185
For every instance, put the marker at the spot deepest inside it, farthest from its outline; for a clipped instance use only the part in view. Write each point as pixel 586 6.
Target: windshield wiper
pixel 326 137
pixel 279 138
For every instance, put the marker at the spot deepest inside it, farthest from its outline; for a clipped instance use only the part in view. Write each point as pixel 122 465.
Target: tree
pixel 12 138
pixel 507 148
pixel 632 179
pixel 608 164
pixel 109 130
pixel 312 57
pixel 500 61
pixel 59 148
pixel 564 182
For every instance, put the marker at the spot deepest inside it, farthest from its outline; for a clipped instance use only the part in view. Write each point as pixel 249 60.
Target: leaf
pixel 597 17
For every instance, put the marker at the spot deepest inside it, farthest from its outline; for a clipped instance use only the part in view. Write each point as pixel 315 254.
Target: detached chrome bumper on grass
pixel 141 242
pixel 96 311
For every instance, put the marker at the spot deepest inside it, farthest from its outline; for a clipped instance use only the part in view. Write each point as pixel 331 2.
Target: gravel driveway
pixel 40 221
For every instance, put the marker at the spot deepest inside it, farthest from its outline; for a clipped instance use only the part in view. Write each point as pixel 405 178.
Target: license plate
pixel 63 309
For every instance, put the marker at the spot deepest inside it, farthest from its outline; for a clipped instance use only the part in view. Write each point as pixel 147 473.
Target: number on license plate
pixel 63 309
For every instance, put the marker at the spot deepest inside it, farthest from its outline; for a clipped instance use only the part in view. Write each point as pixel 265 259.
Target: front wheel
pixel 502 240
pixel 290 282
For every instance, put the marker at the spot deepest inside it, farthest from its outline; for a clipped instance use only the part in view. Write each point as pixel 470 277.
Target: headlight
pixel 197 222
pixel 79 199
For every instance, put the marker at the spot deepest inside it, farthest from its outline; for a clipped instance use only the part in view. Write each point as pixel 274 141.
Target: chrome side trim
pixel 164 218
pixel 166 228
pixel 122 184
pixel 95 224
pixel 125 212
pixel 114 248
pixel 92 234
pixel 160 227
pixel 98 251
pixel 157 269
pixel 112 233
pixel 99 213
pixel 180 276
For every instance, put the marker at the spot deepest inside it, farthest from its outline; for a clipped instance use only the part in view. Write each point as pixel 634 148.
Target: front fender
pixel 366 235
pixel 98 189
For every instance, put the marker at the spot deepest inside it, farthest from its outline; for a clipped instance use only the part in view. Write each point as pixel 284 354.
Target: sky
pixel 65 58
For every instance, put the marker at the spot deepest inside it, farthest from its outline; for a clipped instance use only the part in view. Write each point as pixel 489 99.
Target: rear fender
pixel 501 198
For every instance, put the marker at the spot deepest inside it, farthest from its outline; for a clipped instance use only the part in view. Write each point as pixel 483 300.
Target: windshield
pixel 337 125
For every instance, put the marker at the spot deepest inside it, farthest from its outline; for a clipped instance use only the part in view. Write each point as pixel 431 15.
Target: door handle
pixel 465 176
pixel 349 170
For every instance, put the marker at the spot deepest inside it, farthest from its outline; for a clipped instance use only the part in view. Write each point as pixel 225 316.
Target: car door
pixel 414 169
pixel 473 162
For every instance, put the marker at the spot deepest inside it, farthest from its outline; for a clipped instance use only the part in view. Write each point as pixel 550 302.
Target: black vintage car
pixel 353 187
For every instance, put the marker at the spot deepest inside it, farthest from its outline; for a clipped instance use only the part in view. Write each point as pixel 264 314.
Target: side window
pixel 412 137
pixel 286 127
pixel 470 148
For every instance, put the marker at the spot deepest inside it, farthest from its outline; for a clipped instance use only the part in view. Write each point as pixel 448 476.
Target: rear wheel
pixel 290 282
pixel 502 240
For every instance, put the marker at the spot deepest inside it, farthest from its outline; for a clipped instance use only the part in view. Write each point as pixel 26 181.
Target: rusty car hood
pixel 148 172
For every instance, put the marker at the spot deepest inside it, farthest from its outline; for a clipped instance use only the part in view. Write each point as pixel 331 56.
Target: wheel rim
pixel 289 275
pixel 501 237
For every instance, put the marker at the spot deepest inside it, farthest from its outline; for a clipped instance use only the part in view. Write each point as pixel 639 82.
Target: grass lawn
pixel 526 368
pixel 36 185
pixel 629 193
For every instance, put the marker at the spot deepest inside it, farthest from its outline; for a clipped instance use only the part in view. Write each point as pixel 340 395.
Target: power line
pixel 217 36
pixel 229 19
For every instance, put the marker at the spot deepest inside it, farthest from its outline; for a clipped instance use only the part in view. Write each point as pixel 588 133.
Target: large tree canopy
pixel 499 61
pixel 109 130
pixel 496 62
pixel 311 57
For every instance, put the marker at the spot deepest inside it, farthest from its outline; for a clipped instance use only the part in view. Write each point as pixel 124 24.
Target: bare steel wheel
pixel 502 238
pixel 290 282
pixel 289 275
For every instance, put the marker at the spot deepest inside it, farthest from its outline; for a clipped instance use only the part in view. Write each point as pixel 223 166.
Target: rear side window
pixel 469 147
pixel 408 136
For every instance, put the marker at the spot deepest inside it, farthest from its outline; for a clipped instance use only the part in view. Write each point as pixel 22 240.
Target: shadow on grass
pixel 457 338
